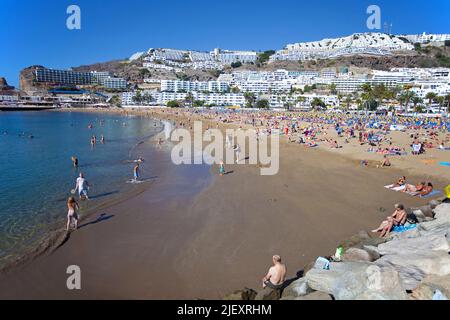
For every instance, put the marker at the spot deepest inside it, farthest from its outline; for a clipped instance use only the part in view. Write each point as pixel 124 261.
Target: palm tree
pixel 416 100
pixel 406 97
pixel 447 102
pixel 348 100
pixel 250 99
pixel 440 100
pixel 430 96
pixel 189 98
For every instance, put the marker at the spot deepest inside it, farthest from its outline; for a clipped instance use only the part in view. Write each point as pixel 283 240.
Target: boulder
pixel 245 294
pixel 316 295
pixel 419 215
pixel 429 285
pixel 413 245
pixel 296 289
pixel 362 239
pixel 356 254
pixel 373 251
pixel 415 266
pixel 268 294
pixel 442 212
pixel 426 211
pixel 434 203
pixel 350 280
pixel 412 233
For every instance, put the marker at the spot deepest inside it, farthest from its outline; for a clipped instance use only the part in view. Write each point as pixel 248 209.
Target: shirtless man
pixel 398 218
pixel 276 275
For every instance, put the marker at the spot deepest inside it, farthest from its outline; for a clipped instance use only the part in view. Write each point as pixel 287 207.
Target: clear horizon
pixel 36 33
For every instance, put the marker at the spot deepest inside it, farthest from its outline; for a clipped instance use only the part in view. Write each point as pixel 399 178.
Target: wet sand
pixel 187 237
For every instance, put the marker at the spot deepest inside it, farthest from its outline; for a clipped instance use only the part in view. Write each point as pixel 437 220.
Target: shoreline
pixel 235 222
pixel 58 236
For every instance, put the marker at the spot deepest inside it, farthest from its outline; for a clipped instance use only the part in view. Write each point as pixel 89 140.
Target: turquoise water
pixel 37 173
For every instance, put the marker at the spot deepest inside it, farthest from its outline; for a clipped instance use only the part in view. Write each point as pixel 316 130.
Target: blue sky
pixel 34 32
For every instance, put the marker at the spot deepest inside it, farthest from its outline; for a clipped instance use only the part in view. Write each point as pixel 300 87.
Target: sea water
pixel 36 171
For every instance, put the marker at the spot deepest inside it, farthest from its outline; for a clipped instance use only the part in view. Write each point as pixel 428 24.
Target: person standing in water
pixel 82 186
pixel 102 139
pixel 75 161
pixel 136 172
pixel 72 215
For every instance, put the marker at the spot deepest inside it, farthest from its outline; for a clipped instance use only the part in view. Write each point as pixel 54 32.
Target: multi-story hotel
pixel 63 77
pixel 188 86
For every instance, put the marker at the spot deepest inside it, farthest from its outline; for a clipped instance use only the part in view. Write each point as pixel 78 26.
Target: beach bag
pixel 322 263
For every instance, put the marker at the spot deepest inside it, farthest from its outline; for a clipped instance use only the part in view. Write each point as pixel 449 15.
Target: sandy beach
pixel 194 234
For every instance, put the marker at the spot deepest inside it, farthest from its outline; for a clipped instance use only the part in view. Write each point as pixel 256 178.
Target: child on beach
pixel 221 168
pixel 72 215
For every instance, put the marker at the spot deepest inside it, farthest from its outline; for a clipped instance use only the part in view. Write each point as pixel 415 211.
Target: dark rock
pixel 245 294
pixel 316 295
pixel 296 289
pixel 356 254
pixel 268 294
pixel 429 285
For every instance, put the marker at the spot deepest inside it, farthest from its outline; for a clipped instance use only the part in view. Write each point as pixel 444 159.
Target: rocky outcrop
pixel 246 294
pixel 414 264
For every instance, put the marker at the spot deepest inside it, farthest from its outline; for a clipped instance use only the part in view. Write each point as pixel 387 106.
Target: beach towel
pixel 394 189
pixel 446 164
pixel 432 194
pixel 429 161
pixel 400 229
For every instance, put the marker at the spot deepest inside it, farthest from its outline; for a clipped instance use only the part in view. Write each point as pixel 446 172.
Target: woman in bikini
pixel 400 183
pixel 72 215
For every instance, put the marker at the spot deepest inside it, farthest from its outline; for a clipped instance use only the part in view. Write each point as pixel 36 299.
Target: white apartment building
pixel 424 38
pixel 189 86
pixel 440 88
pixel 161 98
pixel 9 98
pixel 114 83
pixel 301 100
pixel 263 86
pixel 229 56
pixel 151 65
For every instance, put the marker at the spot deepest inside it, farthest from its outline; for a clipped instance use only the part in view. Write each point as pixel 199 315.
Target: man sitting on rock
pixel 276 275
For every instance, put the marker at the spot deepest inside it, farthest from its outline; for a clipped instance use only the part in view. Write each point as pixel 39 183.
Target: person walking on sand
pixel 276 275
pixel 136 172
pixel 221 168
pixel 82 186
pixel 237 149
pixel 72 215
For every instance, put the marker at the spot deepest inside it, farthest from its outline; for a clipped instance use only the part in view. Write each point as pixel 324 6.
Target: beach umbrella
pixel 447 191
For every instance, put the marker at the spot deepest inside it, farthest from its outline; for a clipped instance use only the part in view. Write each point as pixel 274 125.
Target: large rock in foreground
pixel 413 267
pixel 357 280
pixel 429 285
